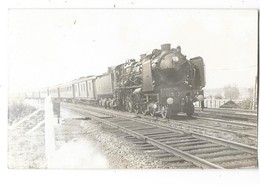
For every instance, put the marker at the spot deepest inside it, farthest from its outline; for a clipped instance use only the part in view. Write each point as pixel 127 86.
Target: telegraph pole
pixel 255 93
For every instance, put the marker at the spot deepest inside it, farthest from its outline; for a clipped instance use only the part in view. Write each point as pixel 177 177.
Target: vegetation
pixel 245 104
pixel 18 110
pixel 218 96
pixel 231 92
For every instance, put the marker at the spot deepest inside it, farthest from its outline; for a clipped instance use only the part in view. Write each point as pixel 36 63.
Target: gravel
pixel 120 153
pixel 89 138
pixel 80 143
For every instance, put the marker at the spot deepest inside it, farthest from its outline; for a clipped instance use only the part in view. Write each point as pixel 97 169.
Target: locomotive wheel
pixel 105 104
pixel 190 111
pixel 144 109
pixel 130 106
pixel 165 112
pixel 136 109
pixel 113 104
pixel 189 114
pixel 152 112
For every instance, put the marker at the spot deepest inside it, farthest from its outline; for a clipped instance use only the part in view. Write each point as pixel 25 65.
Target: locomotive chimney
pixel 143 56
pixel 166 47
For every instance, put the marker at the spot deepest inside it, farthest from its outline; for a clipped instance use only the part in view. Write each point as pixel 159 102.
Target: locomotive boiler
pixel 162 82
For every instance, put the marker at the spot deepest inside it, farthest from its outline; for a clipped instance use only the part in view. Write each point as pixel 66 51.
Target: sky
pixel 48 47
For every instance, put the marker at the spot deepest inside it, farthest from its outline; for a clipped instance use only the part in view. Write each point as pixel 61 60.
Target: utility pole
pixel 255 93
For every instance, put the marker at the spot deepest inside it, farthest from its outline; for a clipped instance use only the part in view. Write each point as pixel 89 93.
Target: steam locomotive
pixel 163 82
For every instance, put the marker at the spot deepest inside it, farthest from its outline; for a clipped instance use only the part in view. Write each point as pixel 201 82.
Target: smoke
pixel 78 153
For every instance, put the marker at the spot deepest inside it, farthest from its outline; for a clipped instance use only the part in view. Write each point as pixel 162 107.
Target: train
pixel 162 82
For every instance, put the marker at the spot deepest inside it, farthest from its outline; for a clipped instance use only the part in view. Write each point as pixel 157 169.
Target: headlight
pixel 170 101
pixel 200 98
pixel 175 59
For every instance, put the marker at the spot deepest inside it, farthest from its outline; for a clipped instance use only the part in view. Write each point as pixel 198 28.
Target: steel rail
pixel 219 129
pixel 232 144
pixel 228 122
pixel 186 156
pixel 226 109
pixel 229 115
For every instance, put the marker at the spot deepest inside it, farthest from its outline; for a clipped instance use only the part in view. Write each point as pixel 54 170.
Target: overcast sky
pixel 48 47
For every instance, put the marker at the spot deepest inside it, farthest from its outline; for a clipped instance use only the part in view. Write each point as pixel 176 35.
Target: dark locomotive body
pixel 162 82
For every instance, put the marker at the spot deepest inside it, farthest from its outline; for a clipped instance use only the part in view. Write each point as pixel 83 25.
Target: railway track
pixel 26 142
pixel 30 122
pixel 230 114
pixel 236 131
pixel 179 147
pixel 241 111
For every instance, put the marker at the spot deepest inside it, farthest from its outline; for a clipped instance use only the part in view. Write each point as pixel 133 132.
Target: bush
pixel 245 104
pixel 18 110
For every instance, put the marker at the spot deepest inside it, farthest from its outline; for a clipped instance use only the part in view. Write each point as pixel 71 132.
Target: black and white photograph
pixel 132 89
pixel 129 92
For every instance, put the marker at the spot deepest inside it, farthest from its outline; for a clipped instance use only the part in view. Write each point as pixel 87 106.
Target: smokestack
pixel 142 56
pixel 166 47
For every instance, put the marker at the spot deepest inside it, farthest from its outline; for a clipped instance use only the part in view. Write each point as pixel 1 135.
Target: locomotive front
pixel 176 81
pixel 162 82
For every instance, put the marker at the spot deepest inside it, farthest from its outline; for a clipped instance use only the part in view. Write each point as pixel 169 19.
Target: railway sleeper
pixel 192 143
pixel 126 123
pixel 182 141
pixel 139 142
pixel 173 160
pixel 242 164
pixel 156 133
pixel 143 144
pixel 220 154
pixel 163 155
pixel 148 148
pixel 197 143
pixel 232 158
pixel 166 136
pixel 144 128
pixel 208 150
pixel 176 138
pixel 198 147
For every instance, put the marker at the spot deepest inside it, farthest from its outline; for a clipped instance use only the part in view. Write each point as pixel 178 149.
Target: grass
pixel 17 110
